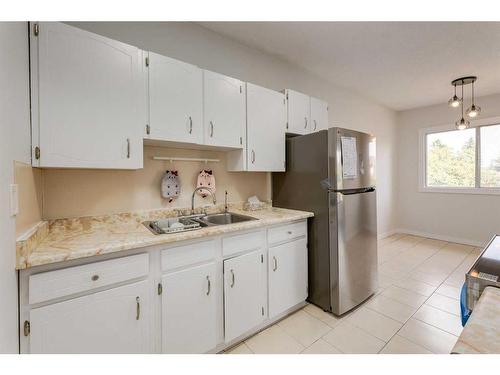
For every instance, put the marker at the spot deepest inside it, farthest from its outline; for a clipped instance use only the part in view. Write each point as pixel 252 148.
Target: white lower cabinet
pixel 189 306
pixel 244 293
pixel 287 276
pixel 113 321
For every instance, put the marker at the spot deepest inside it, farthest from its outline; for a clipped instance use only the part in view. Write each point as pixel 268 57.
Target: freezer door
pixel 353 154
pixel 353 249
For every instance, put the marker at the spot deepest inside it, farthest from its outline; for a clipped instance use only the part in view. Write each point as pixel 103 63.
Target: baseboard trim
pixel 381 236
pixel 463 241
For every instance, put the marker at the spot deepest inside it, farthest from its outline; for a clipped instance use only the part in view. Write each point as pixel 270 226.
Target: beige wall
pixel 194 44
pixel 466 218
pixel 80 192
pixel 29 181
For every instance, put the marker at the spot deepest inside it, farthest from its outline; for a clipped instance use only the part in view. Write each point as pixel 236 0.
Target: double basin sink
pixel 193 222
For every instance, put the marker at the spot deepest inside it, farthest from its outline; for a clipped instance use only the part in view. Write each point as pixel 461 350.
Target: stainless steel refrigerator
pixel 332 173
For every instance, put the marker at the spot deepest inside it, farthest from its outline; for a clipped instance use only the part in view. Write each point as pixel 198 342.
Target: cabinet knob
pixel 289 232
pixel 138 308
pixel 315 125
pixel 208 285
pixel 275 265
pixel 232 278
pixel 128 148
pixel 253 156
pixel 305 122
pixel 211 129
pixel 95 277
pixel 190 125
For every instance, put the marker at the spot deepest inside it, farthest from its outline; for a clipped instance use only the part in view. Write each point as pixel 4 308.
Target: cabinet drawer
pixel 242 242
pixel 54 284
pixel 186 255
pixel 287 232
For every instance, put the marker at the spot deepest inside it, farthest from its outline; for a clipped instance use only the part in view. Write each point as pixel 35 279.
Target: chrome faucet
pixel 201 188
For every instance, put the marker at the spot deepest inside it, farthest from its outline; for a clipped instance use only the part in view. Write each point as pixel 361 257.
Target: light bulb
pixel 462 124
pixel 454 101
pixel 473 111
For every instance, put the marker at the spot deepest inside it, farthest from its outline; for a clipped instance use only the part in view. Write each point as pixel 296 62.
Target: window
pixel 462 160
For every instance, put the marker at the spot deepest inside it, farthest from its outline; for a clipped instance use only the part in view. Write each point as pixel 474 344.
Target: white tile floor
pixel 416 309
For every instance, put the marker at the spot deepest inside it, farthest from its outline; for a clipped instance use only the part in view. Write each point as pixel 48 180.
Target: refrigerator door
pixel 352 156
pixel 353 248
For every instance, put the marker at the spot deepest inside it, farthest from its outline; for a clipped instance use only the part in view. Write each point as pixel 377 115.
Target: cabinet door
pixel 319 115
pixel 299 112
pixel 287 276
pixel 189 305
pixel 223 110
pixel 266 121
pixel 113 321
pixel 244 293
pixel 175 100
pixel 88 99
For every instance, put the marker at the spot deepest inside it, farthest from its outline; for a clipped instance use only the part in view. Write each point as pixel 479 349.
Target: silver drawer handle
pixel 190 125
pixel 275 265
pixel 253 156
pixel 305 120
pixel 232 278
pixel 138 308
pixel 211 129
pixel 95 277
pixel 128 148
pixel 208 285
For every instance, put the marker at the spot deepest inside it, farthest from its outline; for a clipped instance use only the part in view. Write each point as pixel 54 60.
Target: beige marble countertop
pixel 69 239
pixel 481 334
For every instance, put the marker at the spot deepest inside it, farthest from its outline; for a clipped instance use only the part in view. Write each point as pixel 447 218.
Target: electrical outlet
pixel 14 199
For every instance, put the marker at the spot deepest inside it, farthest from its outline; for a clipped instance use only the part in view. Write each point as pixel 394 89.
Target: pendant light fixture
pixel 455 101
pixel 462 123
pixel 473 111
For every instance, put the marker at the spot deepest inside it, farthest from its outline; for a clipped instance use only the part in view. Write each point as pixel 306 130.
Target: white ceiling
pixel 401 65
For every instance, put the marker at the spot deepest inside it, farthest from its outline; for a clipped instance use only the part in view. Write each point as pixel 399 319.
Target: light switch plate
pixel 14 199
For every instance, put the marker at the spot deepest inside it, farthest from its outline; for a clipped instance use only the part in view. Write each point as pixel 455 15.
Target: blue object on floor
pixel 465 312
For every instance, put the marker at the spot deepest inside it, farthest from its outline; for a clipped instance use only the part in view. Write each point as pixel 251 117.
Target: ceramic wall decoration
pixel 170 185
pixel 206 179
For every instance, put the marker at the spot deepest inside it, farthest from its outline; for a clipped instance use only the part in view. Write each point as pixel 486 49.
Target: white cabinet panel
pixel 113 321
pixel 175 100
pixel 88 99
pixel 223 110
pixel 189 305
pixel 287 276
pixel 266 122
pixel 244 293
pixel 299 112
pixel 319 115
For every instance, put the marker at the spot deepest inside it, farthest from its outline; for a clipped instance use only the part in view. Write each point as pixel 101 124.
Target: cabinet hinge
pixel 37 152
pixel 160 289
pixel 148 129
pixel 262 310
pixel 36 29
pixel 27 328
pixel 262 258
pixel 146 60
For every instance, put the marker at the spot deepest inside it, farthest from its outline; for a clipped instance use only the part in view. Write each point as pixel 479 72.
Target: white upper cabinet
pixel 223 110
pixel 113 321
pixel 189 310
pixel 266 121
pixel 299 112
pixel 175 100
pixel 305 114
pixel 319 115
pixel 88 99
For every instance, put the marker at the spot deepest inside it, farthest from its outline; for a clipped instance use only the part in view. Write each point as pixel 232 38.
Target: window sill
pixel 477 191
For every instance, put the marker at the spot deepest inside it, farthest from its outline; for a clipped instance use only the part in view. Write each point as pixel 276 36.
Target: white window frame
pixel 422 170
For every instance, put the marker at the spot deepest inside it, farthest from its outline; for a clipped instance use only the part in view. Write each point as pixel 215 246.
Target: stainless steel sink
pixel 194 222
pixel 224 218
